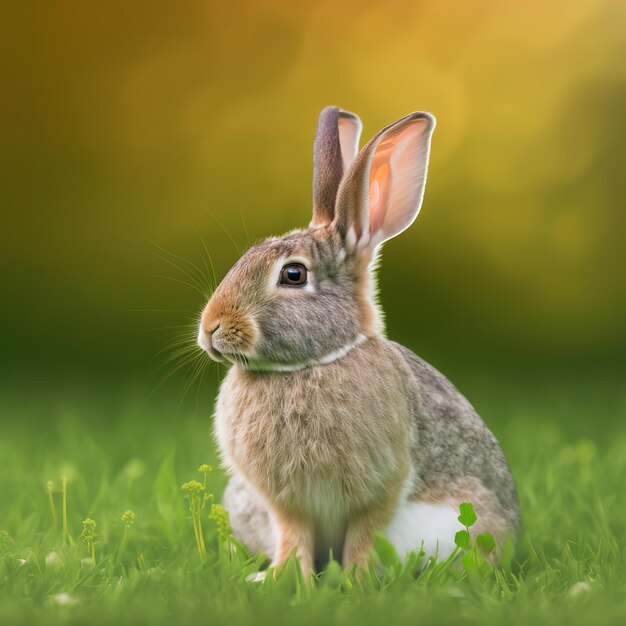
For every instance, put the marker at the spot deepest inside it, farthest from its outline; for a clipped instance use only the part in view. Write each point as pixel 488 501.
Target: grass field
pixel 120 452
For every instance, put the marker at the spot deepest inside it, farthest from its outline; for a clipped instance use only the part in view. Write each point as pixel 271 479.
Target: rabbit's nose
pixel 205 341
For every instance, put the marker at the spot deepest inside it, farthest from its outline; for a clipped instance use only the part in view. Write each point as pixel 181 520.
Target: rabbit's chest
pixel 310 444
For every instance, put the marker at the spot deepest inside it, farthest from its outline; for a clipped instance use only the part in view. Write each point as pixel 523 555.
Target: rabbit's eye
pixel 293 275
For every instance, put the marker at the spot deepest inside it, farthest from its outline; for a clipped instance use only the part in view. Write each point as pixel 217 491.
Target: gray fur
pixel 302 328
pixel 453 442
pixel 380 418
pixel 249 516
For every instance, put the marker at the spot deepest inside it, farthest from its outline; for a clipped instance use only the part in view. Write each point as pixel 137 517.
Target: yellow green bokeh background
pixel 127 127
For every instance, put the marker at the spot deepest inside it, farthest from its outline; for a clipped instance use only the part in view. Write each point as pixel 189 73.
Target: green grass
pixel 132 454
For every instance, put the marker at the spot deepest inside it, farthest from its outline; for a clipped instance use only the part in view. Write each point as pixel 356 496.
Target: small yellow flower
pixel 192 489
pixel 128 517
pixel 88 536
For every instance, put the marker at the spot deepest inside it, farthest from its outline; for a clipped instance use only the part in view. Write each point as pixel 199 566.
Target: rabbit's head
pixel 309 296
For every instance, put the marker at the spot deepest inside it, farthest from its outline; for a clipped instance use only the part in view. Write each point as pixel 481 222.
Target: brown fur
pixel 321 458
pixel 327 451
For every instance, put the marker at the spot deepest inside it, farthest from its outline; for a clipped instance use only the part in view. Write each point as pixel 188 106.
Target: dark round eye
pixel 293 274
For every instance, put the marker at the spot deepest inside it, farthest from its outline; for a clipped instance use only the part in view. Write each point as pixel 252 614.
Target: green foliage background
pixel 131 124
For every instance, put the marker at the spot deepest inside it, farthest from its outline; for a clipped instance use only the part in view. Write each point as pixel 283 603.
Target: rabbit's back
pixel 306 455
pixel 454 452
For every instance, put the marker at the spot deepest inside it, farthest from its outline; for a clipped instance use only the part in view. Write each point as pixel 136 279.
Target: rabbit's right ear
pixel 336 145
pixel 382 192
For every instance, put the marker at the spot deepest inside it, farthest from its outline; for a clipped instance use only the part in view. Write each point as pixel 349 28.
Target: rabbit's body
pixel 332 431
pixel 307 447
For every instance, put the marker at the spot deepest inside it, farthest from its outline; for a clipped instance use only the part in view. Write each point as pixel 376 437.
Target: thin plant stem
pixel 195 527
pixel 123 543
pixel 200 534
pixel 53 512
pixel 64 488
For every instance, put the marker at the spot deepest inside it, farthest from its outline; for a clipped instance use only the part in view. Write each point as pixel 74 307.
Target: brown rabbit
pixel 331 431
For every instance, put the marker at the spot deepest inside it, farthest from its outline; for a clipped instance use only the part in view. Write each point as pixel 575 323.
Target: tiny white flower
pixel 64 599
pixel 256 577
pixel 53 560
pixel 578 588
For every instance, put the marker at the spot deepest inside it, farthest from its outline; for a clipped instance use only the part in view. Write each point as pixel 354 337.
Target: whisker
pixel 205 360
pixel 245 229
pixel 196 276
pixel 185 362
pixel 209 267
pixel 182 351
pixel 182 334
pixel 191 379
pixel 190 269
pixel 170 353
pixel 190 325
pixel 204 294
pixel 224 229
pixel 185 314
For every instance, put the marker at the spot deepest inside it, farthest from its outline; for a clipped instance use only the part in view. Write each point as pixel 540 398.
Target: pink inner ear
pixel 374 193
pixel 379 186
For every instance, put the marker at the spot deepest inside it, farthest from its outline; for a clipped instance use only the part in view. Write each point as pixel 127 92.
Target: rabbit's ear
pixel 336 145
pixel 381 194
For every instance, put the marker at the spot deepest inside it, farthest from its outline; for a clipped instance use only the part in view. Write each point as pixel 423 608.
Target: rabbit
pixel 330 431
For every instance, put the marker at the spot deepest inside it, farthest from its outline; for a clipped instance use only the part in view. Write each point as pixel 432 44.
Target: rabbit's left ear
pixel 336 145
pixel 382 192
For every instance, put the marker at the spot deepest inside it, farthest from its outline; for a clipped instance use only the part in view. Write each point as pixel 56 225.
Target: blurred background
pixel 136 137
